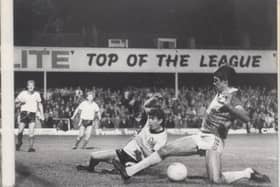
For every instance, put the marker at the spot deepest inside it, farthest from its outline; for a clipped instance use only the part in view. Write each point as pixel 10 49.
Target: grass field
pixel 54 163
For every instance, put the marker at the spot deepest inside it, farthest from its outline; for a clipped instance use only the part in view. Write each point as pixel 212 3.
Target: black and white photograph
pixel 139 93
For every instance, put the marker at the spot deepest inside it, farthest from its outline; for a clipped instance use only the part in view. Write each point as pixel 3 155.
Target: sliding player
pixel 89 115
pixel 224 108
pixel 152 137
pixel 29 102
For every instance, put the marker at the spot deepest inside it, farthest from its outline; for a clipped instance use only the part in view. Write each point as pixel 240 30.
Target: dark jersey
pixel 219 120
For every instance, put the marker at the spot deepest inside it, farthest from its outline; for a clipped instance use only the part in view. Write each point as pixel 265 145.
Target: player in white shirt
pixel 89 115
pixel 150 139
pixel 225 107
pixel 29 102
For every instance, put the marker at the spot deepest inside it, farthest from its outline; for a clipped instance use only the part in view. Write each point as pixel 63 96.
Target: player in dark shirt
pixel 224 108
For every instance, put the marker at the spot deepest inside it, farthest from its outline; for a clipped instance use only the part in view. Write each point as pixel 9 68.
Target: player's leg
pixel 21 127
pixel 96 157
pixel 214 166
pixel 105 156
pixel 22 121
pixel 88 131
pixel 31 136
pixel 215 174
pixel 248 173
pixel 184 146
pixel 101 156
pixel 79 137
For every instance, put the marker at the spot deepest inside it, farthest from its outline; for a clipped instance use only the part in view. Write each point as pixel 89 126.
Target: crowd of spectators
pixel 121 108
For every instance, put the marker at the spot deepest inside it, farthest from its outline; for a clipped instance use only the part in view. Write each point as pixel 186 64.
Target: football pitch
pixel 54 163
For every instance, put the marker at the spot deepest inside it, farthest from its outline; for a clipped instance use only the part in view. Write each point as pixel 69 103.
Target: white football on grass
pixel 177 171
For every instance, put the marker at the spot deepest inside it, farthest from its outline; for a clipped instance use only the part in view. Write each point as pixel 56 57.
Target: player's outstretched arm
pixel 151 101
pixel 18 104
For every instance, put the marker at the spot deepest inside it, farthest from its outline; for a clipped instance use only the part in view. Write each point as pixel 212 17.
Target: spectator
pixel 119 107
pixel 170 122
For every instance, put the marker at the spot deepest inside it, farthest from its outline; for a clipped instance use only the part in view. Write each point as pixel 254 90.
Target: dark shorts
pixel 124 157
pixel 27 117
pixel 86 123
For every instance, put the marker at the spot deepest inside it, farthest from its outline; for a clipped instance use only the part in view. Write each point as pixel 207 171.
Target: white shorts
pixel 207 141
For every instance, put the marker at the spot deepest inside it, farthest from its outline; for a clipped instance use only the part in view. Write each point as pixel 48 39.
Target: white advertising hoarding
pixel 142 60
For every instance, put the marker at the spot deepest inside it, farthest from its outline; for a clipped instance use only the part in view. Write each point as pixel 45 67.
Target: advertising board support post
pixel 176 85
pixel 7 95
pixel 45 84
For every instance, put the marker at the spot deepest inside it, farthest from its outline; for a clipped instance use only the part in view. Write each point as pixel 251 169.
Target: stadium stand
pixel 120 108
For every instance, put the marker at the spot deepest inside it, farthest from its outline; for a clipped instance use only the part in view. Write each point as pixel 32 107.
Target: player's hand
pixel 18 104
pixel 40 116
pixel 223 100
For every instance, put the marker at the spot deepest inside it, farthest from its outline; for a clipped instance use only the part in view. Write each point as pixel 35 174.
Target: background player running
pixel 29 102
pixel 151 137
pixel 224 108
pixel 89 114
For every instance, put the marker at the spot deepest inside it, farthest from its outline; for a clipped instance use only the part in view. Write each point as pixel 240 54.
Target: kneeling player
pixel 89 114
pixel 224 108
pixel 151 138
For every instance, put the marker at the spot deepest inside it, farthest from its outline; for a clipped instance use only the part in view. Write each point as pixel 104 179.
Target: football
pixel 177 171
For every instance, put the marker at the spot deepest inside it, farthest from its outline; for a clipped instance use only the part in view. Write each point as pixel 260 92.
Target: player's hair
pixel 225 73
pixel 31 82
pixel 90 93
pixel 157 112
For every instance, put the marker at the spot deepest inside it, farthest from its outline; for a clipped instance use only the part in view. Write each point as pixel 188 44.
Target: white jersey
pixel 88 110
pixel 30 100
pixel 150 141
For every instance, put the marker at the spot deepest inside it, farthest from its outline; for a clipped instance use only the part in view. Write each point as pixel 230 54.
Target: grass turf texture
pixel 54 162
